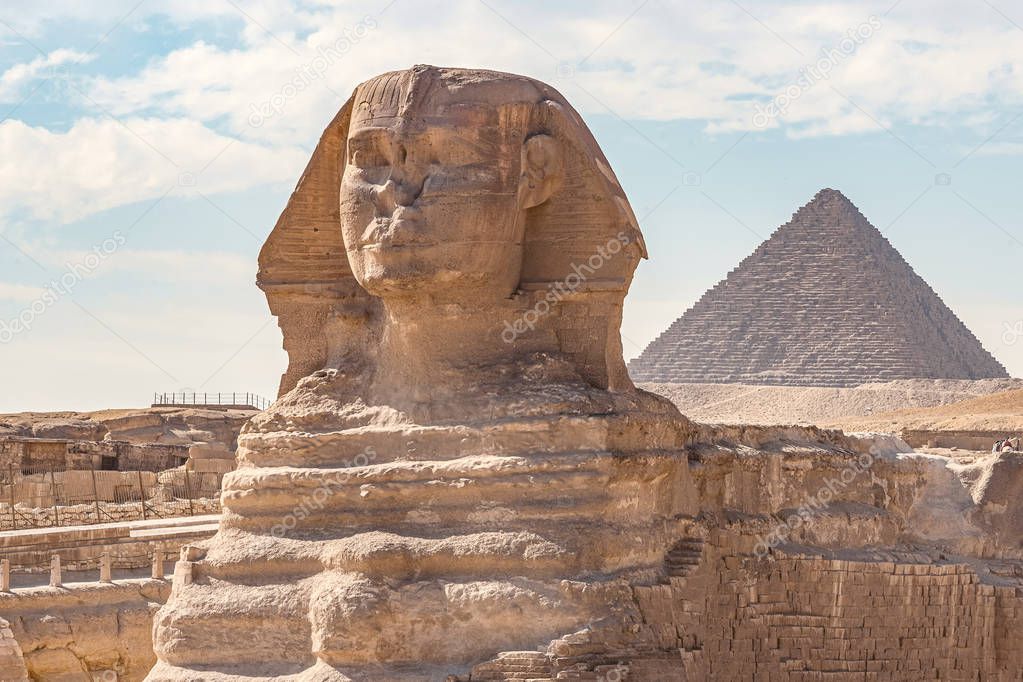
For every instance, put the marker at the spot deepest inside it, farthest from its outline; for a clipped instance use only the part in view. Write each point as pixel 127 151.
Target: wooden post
pixel 55 576
pixel 157 564
pixel 5 575
pixel 106 566
pixel 95 496
pixel 142 495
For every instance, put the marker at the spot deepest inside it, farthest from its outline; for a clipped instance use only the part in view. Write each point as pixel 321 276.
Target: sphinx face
pixel 429 201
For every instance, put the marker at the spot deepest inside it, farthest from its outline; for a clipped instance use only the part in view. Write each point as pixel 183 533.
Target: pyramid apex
pixel 832 203
pixel 828 194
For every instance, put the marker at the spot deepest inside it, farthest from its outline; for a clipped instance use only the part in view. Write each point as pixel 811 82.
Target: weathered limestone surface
pixel 163 425
pixel 826 301
pixel 467 468
pixel 83 632
pixel 129 544
pixel 12 662
pixel 459 481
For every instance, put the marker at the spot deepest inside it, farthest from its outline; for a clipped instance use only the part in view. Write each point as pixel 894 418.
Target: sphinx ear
pixel 543 168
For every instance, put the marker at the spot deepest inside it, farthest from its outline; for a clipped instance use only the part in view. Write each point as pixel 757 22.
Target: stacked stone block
pixel 796 617
pixel 12 663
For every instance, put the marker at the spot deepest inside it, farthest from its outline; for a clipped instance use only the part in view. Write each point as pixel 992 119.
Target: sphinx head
pixel 435 186
pixel 440 167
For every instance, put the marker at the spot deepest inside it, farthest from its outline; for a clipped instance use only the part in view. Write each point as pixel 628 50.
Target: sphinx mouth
pixel 394 232
pixel 389 246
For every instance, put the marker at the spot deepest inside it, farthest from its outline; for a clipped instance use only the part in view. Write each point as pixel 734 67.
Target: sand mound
pixel 774 405
pixel 997 412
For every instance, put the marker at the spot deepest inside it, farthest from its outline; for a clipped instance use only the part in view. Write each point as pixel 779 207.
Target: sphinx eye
pixel 366 157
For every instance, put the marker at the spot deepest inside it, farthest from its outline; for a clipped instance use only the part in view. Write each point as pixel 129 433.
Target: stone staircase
pixel 683 558
pixel 826 301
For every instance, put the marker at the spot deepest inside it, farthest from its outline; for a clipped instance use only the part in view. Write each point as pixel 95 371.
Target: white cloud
pixel 919 66
pixel 19 293
pixel 14 80
pixel 174 265
pixel 102 163
pixel 947 65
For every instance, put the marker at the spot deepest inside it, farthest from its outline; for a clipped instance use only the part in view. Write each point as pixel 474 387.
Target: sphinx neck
pixel 424 347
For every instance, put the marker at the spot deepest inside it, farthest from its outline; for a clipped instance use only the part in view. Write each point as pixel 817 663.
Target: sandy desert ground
pixel 857 408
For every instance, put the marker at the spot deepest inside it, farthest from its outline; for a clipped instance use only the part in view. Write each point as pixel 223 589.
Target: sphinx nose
pixel 401 188
pixel 405 193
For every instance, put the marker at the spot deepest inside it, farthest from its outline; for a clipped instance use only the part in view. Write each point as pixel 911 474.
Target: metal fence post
pixel 14 517
pixel 95 496
pixel 142 495
pixel 188 492
pixel 56 500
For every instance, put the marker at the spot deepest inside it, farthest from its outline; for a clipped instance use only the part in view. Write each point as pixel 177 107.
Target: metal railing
pixel 51 496
pixel 197 399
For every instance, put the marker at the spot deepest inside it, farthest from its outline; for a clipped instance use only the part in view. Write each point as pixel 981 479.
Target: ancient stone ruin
pixel 461 483
pixel 826 301
pixel 435 497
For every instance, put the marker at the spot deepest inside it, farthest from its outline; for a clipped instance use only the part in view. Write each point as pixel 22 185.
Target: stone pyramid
pixel 826 301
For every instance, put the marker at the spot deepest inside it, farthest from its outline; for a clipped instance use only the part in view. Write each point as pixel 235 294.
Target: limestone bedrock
pixel 458 464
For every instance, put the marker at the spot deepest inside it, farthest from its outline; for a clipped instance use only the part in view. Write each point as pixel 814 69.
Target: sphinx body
pixel 458 464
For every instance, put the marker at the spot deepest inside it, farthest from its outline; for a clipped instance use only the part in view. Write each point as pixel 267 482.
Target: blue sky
pixel 146 148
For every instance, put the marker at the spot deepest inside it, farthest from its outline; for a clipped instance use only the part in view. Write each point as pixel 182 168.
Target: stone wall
pixel 88 632
pixel 892 577
pixel 23 453
pixel 796 616
pixel 31 455
pixel 721 612
pixel 129 545
pixel 979 441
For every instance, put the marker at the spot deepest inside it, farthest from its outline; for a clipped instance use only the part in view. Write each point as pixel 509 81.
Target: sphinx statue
pixel 458 464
